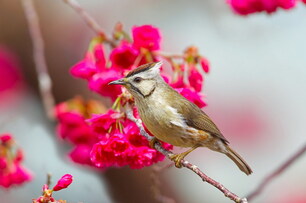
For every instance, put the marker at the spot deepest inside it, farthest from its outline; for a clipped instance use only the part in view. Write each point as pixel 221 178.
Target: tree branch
pixel 44 80
pixel 278 171
pixel 89 20
pixel 186 164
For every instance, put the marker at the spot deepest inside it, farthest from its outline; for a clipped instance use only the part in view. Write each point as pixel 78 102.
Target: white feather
pixel 152 72
pixel 177 118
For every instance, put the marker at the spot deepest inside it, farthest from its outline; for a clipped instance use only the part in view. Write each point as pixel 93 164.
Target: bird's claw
pixel 177 158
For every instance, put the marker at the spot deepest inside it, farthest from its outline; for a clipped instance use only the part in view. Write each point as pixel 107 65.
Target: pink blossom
pixel 245 7
pixel 146 36
pixel 63 183
pixel 105 123
pixel 99 83
pixel 93 62
pixel 15 176
pixel 81 154
pixel 11 171
pixel 204 64
pixel 73 127
pixel 192 96
pixel 4 138
pixel 84 69
pixel 3 163
pixel 179 83
pixel 195 79
pixel 19 156
pixel 110 152
pixel 141 157
pixel 99 55
pixel 123 56
pixel 9 72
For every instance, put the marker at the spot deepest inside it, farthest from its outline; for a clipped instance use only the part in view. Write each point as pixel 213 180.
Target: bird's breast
pixel 166 124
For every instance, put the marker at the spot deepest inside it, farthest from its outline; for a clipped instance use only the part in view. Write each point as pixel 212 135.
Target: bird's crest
pixel 144 67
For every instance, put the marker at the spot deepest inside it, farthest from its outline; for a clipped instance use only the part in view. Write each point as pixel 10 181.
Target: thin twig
pixel 44 80
pixel 49 177
pixel 186 164
pixel 267 180
pixel 89 20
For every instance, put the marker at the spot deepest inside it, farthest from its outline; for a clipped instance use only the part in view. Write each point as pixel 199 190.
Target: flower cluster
pixel 46 196
pixel 11 171
pixel 107 138
pixel 245 7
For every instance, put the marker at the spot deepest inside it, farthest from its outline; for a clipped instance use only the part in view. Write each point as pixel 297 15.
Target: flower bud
pixel 63 183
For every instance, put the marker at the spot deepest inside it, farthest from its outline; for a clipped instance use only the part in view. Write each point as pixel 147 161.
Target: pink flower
pixel 141 157
pixel 81 154
pixel 3 163
pixel 93 63
pixel 147 37
pixel 20 175
pixel 9 72
pixel 73 127
pixel 111 152
pixel 99 55
pixel 192 96
pixel 19 156
pixel 4 138
pixel 105 123
pixel 179 83
pixel 99 83
pixel 84 69
pixel 15 176
pixel 117 148
pixel 204 64
pixel 195 79
pixel 63 183
pixel 123 56
pixel 11 171
pixel 245 7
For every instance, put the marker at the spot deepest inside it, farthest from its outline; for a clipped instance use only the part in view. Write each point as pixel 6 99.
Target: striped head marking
pixel 141 82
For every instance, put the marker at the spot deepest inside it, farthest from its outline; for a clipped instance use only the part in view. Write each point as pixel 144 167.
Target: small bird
pixel 172 118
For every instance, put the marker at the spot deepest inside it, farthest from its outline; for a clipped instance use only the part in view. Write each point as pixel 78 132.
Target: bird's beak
pixel 118 82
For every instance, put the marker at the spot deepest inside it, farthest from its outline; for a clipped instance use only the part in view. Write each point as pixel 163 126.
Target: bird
pixel 172 118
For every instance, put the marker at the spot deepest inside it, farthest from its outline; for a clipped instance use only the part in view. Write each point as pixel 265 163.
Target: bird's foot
pixel 177 158
pixel 153 142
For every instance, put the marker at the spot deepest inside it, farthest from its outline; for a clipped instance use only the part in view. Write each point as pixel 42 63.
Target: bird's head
pixel 142 81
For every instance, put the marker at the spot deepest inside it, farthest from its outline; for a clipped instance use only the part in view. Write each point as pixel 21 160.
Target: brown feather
pixel 239 161
pixel 194 116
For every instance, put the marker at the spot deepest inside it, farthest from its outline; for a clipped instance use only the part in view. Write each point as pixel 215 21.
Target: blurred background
pixel 256 94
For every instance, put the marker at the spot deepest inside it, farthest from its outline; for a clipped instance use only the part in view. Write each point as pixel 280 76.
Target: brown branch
pixel 89 20
pixel 267 180
pixel 44 80
pixel 49 178
pixel 186 164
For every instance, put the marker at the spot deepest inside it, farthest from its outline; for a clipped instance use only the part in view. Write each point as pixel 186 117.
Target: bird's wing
pixel 196 118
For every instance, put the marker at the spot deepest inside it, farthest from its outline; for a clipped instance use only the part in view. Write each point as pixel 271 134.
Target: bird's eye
pixel 137 79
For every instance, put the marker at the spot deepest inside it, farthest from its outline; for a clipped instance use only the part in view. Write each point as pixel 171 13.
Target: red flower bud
pixel 63 183
pixel 4 138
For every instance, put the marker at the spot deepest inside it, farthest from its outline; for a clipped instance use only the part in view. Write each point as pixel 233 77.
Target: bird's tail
pixel 242 165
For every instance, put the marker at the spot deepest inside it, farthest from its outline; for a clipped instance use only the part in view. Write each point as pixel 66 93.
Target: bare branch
pixel 89 20
pixel 44 80
pixel 268 179
pixel 186 164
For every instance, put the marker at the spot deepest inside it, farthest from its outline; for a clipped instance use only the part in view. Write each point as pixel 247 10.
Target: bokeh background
pixel 256 94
